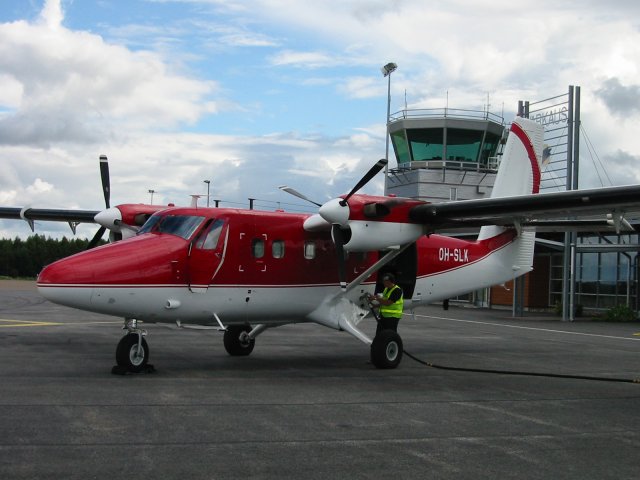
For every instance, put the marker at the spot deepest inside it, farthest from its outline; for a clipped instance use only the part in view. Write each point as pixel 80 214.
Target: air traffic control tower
pixel 444 154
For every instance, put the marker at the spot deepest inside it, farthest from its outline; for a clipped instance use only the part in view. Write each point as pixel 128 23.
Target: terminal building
pixel 450 154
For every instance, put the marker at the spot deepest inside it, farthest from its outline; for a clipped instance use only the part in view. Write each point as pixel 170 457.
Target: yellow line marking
pixel 28 323
pixel 25 323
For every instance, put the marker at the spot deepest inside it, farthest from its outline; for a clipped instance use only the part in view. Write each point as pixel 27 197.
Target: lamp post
pixel 387 70
pixel 152 192
pixel 207 182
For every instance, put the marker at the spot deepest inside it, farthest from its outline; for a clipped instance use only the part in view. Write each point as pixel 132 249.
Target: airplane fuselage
pixel 248 266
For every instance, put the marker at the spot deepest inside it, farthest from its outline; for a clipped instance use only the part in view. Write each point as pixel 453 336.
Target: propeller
pixel 106 190
pixel 296 193
pixel 338 239
pixel 104 176
pixel 373 171
pixel 336 212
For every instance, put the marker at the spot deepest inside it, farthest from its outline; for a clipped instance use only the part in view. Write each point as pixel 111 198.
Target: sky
pixel 252 94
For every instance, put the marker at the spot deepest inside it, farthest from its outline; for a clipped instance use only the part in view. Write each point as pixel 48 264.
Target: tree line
pixel 25 258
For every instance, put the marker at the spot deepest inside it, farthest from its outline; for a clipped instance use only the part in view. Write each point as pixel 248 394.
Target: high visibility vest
pixel 395 309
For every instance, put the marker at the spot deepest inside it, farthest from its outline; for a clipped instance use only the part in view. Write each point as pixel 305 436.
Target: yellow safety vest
pixel 395 309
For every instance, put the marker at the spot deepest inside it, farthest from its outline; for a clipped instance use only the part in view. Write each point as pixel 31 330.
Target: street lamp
pixel 207 182
pixel 387 70
pixel 152 192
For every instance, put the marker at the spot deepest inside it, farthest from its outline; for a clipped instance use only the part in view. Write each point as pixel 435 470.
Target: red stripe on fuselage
pixel 528 145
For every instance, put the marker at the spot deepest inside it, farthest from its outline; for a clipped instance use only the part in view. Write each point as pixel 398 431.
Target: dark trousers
pixel 387 323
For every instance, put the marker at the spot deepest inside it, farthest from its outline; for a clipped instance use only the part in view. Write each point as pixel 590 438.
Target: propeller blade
pixel 104 175
pixel 338 238
pixel 373 171
pixel 296 193
pixel 96 238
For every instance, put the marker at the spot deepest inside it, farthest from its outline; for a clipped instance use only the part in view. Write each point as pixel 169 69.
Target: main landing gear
pixel 237 341
pixel 386 350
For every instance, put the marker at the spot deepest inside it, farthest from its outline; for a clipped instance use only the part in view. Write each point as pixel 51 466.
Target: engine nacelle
pixel 367 236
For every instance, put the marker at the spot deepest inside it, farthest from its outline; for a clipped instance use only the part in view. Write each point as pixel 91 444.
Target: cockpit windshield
pixel 180 225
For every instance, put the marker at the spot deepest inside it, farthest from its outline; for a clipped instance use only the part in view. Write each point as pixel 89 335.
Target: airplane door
pixel 405 269
pixel 206 255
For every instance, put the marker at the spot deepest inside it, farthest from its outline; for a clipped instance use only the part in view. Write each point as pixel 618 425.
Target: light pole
pixel 207 182
pixel 387 70
pixel 152 192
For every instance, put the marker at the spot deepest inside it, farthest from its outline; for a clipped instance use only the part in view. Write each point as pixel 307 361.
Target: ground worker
pixel 391 302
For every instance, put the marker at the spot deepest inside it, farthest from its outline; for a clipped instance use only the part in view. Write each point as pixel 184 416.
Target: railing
pixel 457 113
pixel 491 166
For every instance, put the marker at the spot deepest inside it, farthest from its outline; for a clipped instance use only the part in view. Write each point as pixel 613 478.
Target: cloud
pixel 620 99
pixel 71 86
pixel 302 59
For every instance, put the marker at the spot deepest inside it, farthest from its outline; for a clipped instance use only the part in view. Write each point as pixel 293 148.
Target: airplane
pixel 245 271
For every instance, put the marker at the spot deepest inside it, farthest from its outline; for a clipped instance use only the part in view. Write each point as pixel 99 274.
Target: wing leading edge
pixel 570 206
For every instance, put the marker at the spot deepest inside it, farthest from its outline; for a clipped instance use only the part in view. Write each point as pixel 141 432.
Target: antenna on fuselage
pixel 194 200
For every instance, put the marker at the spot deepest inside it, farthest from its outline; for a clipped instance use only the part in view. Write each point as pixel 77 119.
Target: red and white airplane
pixel 245 271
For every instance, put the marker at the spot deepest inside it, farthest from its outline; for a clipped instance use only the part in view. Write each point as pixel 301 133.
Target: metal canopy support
pixel 569 271
pixel 518 296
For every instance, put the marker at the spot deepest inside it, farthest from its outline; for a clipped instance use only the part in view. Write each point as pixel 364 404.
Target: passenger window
pixel 309 250
pixel 257 248
pixel 277 248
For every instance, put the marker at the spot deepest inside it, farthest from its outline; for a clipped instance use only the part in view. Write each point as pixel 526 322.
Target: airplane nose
pixel 67 283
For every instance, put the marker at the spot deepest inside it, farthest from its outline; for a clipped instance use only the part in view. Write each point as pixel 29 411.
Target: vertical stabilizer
pixel 520 169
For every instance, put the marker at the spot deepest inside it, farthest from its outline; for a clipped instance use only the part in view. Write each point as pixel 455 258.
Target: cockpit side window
pixel 149 224
pixel 181 225
pixel 209 241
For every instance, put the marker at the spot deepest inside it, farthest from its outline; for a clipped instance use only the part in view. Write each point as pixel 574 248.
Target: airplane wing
pixel 574 209
pixel 73 217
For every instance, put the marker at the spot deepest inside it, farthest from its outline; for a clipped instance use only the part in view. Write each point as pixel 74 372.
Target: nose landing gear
pixel 132 352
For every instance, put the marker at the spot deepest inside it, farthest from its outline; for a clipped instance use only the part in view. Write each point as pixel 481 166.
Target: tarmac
pixel 307 404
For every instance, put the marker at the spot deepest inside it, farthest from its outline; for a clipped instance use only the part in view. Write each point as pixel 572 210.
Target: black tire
pixel 127 353
pixel 386 349
pixel 234 342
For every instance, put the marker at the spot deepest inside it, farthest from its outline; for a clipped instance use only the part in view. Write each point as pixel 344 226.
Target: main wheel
pixel 386 349
pixel 237 342
pixel 128 356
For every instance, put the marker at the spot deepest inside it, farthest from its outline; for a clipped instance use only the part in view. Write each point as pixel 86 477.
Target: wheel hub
pixel 245 341
pixel 136 356
pixel 392 351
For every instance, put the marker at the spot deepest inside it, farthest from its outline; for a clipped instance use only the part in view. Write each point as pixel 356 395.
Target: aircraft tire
pixel 386 350
pixel 233 343
pixel 127 353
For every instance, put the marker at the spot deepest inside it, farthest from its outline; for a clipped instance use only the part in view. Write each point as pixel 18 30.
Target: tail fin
pixel 519 170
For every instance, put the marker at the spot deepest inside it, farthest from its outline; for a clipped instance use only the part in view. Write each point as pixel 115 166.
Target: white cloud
pixel 72 86
pixel 302 59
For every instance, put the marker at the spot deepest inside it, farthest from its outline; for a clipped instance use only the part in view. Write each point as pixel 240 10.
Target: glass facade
pixel 462 145
pixel 604 279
